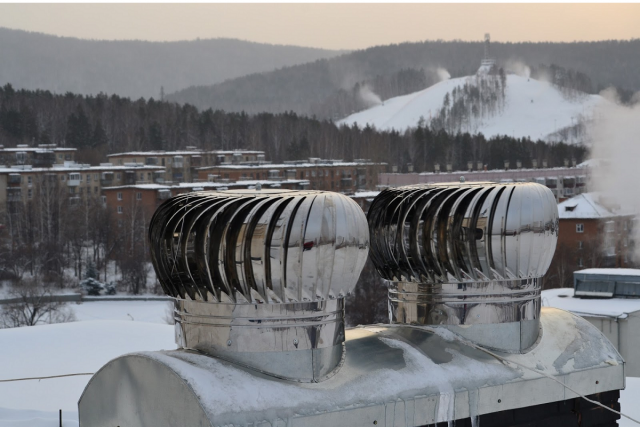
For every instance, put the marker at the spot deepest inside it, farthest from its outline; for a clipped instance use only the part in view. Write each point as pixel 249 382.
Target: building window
pixel 30 194
pixel 95 176
pixel 95 190
pixel 609 227
pixel 313 174
pixel 62 177
pixel 579 244
pixel 580 228
pixel 104 200
pixel 120 211
pixel 30 180
pixel 119 196
pixel 626 242
pixel 138 196
pixel 580 262
pixel 117 176
pixel 88 177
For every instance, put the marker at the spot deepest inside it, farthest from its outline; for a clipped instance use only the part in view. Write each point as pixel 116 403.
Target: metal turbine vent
pixel 260 277
pixel 468 257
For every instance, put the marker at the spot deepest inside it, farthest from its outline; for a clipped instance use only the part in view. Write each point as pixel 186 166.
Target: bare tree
pixel 35 304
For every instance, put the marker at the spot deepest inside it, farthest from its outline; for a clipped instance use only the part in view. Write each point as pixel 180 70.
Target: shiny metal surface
pixel 261 272
pixel 393 376
pixel 295 341
pixel 466 254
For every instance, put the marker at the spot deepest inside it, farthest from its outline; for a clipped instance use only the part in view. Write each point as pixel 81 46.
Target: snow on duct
pixel 260 277
pixel 468 257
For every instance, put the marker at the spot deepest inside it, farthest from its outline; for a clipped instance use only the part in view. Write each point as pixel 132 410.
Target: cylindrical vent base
pixel 502 315
pixel 296 341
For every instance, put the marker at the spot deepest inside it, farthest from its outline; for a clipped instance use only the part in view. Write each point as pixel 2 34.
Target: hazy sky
pixel 332 26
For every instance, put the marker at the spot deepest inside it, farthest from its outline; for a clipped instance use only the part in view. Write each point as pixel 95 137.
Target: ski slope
pixel 533 108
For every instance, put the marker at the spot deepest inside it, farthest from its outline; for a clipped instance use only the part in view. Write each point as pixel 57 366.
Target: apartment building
pixel 594 232
pixel 19 183
pixel 144 199
pixel 179 166
pixel 327 175
pixel 43 155
pixel 564 183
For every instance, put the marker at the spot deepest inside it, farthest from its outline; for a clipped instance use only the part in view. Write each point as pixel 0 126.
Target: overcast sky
pixel 331 26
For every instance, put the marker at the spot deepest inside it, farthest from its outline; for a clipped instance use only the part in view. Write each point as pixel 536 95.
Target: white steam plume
pixel 368 96
pixel 443 74
pixel 615 133
pixel 518 67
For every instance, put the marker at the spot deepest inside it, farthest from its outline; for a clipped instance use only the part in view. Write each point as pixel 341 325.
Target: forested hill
pixel 135 68
pixel 100 125
pixel 333 88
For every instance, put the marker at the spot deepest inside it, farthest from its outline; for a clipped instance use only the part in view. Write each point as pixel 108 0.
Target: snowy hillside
pixel 532 108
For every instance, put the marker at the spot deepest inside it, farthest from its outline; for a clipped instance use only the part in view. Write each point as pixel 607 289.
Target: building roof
pixel 290 165
pixel 588 206
pixel 39 149
pixel 564 299
pixel 77 167
pixel 182 153
pixel 611 271
pixel 211 185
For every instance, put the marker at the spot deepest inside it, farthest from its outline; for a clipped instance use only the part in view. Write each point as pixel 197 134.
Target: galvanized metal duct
pixel 260 277
pixel 468 257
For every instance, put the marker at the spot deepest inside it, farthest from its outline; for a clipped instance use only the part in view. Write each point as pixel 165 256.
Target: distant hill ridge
pixel 331 88
pixel 136 68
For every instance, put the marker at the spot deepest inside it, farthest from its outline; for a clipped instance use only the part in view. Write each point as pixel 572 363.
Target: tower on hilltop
pixel 487 64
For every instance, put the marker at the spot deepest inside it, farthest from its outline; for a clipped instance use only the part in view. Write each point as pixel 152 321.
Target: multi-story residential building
pixel 145 198
pixel 179 166
pixel 328 175
pixel 19 183
pixel 44 155
pixel 593 232
pixel 563 182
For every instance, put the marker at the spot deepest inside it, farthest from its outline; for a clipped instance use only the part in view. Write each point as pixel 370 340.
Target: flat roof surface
pixel 611 271
pixel 563 299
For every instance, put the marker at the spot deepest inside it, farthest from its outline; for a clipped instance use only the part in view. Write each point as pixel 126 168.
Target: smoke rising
pixel 615 133
pixel 369 97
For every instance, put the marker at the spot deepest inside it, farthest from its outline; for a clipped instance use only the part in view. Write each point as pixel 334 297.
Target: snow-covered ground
pixel 104 330
pixel 533 109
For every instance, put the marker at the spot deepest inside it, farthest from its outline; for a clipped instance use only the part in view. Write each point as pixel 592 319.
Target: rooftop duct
pixel 260 277
pixel 468 257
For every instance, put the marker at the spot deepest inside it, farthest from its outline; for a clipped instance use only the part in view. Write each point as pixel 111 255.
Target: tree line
pixel 98 125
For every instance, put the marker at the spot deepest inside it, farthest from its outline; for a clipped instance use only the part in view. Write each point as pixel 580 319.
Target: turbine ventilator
pixel 259 277
pixel 467 257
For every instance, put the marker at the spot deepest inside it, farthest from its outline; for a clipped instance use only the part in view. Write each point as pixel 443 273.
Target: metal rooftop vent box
pixel 260 279
pixel 607 283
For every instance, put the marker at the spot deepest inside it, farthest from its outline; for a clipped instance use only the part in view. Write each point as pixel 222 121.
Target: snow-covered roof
pixel 243 183
pixel 610 307
pixel 76 167
pixel 182 153
pixel 611 271
pixel 291 165
pixel 587 206
pixel 365 194
pixel 37 149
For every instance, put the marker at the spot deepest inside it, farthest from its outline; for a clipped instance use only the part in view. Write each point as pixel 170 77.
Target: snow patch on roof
pixel 610 307
pixel 588 206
